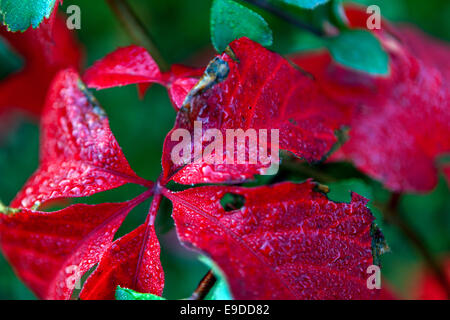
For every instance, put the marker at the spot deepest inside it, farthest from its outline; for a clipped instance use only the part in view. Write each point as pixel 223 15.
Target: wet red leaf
pixel 51 251
pixel 401 124
pixel 134 65
pixel 260 90
pixel 288 241
pixel 128 264
pixel 79 157
pixel 79 154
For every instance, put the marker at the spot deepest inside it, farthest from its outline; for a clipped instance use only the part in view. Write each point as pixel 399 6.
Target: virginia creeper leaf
pixel 79 154
pixel 124 66
pixel 20 15
pixel 400 124
pixel 45 51
pixel 359 50
pixel 51 251
pixel 287 242
pixel 134 65
pixel 231 21
pixel 304 4
pixel 261 90
pixel 128 294
pixel 133 262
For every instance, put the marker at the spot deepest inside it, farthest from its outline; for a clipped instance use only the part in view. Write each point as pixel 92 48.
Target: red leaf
pixel 129 265
pixel 51 251
pixel 45 50
pixel 79 154
pixel 124 66
pixel 79 157
pixel 400 124
pixel 261 91
pixel 287 241
pixel 134 65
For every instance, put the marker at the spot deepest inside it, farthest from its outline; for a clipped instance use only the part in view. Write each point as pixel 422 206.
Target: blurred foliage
pixel 181 30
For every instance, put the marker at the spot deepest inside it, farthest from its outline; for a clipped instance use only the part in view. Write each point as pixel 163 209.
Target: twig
pixel 204 287
pixel 266 5
pixel 137 31
pixel 391 214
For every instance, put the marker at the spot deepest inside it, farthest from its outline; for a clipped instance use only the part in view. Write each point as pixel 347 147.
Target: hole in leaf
pixel 232 201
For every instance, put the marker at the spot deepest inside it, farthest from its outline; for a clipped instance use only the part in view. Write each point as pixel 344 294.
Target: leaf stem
pixel 266 5
pixel 137 31
pixel 391 214
pixel 204 287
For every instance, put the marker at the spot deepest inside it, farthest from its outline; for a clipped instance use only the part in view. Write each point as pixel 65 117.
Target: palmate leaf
pixel 400 124
pixel 79 157
pixel 290 238
pixel 288 241
pixel 20 15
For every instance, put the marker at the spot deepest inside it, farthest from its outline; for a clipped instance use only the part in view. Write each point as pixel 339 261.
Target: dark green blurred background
pixel 181 30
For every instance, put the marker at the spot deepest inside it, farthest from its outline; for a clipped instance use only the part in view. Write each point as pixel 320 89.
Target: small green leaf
pixel 305 4
pixel 231 21
pixel 221 290
pixel 128 294
pixel 18 15
pixel 359 50
pixel 340 191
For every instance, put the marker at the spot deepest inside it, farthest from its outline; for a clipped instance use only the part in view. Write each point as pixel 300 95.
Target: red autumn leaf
pixel 45 51
pixel 79 154
pixel 129 265
pixel 133 261
pixel 134 65
pixel 400 124
pixel 79 157
pixel 261 90
pixel 288 241
pixel 51 251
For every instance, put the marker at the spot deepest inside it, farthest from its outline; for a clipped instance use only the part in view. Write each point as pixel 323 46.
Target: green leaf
pixel 128 294
pixel 221 290
pixel 340 191
pixel 305 4
pixel 18 15
pixel 359 50
pixel 231 21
